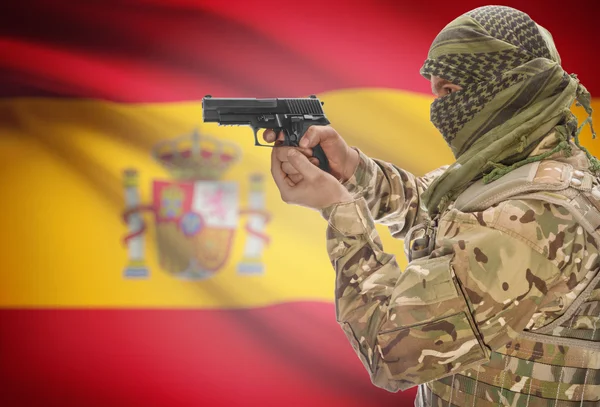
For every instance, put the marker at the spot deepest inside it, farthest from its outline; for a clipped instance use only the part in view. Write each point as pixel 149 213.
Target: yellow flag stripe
pixel 63 199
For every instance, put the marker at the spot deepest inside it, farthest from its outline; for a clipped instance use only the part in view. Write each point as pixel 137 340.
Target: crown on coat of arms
pixel 196 157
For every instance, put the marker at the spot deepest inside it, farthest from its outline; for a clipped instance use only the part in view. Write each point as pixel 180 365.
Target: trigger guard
pixel 256 142
pixel 255 130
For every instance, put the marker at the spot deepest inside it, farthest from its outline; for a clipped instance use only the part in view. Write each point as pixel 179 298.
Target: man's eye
pixel 448 90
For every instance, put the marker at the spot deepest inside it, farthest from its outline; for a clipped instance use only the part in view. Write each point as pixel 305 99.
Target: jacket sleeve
pixel 445 312
pixel 392 194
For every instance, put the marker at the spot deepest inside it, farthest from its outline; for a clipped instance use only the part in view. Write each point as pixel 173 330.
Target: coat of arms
pixel 196 215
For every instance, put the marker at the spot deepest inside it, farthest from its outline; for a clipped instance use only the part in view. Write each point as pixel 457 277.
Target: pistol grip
pixel 319 154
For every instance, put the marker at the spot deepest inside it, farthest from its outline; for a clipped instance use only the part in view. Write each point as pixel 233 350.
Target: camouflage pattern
pixel 453 322
pixel 392 202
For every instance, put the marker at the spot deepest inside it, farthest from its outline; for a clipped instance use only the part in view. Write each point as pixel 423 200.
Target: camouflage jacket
pixel 514 266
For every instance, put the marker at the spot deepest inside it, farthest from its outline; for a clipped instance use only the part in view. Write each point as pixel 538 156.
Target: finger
pixel 288 168
pixel 308 152
pixel 269 135
pixel 281 139
pixel 296 178
pixel 278 175
pixel 314 160
pixel 304 167
pixel 282 152
pixel 315 135
pixel 290 182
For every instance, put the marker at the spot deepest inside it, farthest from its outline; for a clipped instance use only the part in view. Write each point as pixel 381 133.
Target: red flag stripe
pixel 290 354
pixel 160 51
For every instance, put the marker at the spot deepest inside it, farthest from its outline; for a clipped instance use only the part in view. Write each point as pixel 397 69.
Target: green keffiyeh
pixel 514 92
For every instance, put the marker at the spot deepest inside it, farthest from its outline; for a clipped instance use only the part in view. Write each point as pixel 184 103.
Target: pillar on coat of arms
pixel 136 266
pixel 256 239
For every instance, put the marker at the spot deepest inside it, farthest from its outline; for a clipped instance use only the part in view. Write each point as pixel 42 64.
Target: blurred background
pixel 148 259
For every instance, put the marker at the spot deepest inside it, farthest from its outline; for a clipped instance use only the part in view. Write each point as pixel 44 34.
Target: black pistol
pixel 292 116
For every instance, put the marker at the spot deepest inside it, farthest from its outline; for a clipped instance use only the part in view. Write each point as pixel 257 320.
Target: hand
pixel 343 160
pixel 282 154
pixel 316 190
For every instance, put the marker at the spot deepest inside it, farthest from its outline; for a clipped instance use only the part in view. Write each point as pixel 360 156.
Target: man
pixel 500 302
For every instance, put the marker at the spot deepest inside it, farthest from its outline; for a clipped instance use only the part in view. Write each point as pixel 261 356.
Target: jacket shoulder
pixel 547 175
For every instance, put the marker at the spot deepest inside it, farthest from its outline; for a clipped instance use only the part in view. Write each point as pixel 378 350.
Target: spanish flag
pixel 147 258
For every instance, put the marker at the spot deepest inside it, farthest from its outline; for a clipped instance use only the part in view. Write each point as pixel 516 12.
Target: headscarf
pixel 514 92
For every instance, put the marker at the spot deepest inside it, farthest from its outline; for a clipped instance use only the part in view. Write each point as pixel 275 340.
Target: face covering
pixel 514 92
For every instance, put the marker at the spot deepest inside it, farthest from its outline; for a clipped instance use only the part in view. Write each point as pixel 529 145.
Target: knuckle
pixel 306 151
pixel 318 177
pixel 288 169
pixel 282 153
pixel 330 131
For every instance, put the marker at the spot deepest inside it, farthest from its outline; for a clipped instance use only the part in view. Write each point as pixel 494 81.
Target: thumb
pixel 313 136
pixel 301 163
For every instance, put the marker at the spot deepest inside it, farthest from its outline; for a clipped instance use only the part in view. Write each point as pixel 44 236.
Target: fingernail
pixel 303 142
